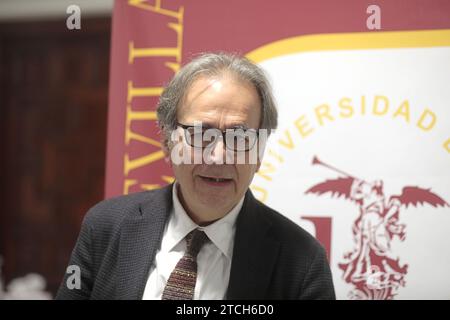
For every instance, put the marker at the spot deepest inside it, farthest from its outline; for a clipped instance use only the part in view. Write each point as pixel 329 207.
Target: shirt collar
pixel 221 232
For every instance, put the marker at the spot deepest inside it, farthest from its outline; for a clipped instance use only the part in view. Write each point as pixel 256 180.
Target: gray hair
pixel 215 64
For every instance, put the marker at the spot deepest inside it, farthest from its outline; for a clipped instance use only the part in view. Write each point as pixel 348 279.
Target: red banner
pixel 152 39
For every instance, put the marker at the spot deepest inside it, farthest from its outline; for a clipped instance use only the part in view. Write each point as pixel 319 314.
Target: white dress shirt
pixel 213 260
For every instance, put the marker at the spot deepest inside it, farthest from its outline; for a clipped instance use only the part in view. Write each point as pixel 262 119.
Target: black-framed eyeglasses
pixel 236 139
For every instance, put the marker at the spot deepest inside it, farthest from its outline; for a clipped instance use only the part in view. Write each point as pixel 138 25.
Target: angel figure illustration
pixel 371 266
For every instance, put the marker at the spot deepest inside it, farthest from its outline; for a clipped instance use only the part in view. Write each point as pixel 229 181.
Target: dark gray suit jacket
pixel 273 258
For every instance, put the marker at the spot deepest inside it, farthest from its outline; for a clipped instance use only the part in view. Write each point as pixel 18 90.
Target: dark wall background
pixel 53 115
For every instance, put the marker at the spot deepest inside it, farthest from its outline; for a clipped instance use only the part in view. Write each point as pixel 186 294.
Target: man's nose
pixel 216 153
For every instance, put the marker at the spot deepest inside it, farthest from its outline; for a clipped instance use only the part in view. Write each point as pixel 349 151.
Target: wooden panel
pixel 53 112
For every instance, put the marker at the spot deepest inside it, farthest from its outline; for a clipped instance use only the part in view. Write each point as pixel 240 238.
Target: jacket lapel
pixel 140 238
pixel 254 254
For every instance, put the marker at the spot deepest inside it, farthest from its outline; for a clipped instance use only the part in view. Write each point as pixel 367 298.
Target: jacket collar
pixel 140 238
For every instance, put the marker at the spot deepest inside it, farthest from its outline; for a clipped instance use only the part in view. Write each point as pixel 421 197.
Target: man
pixel 205 236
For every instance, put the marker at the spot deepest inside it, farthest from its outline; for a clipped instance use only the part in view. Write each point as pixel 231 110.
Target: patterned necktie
pixel 181 283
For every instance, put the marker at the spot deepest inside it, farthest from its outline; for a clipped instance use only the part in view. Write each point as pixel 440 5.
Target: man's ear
pixel 165 146
pixel 258 165
pixel 261 148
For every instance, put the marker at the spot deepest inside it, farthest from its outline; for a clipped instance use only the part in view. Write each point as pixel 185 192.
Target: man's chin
pixel 216 199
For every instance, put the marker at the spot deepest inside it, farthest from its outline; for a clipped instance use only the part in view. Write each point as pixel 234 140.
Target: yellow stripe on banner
pixel 352 41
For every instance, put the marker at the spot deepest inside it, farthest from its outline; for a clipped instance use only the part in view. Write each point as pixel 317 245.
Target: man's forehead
pixel 215 83
pixel 201 85
pixel 237 100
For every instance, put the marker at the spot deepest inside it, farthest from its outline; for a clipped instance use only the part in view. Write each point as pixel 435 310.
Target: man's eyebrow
pixel 238 126
pixel 204 125
pixel 233 126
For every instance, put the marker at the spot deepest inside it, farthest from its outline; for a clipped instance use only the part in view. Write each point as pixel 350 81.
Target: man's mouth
pixel 216 181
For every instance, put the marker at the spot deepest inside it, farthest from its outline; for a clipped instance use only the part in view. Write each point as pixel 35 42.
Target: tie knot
pixel 194 242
